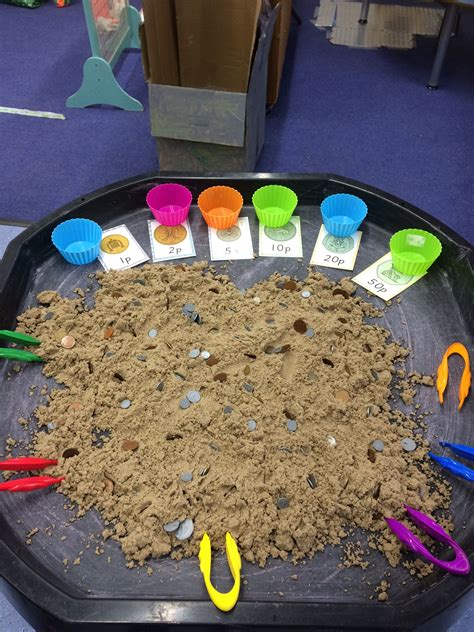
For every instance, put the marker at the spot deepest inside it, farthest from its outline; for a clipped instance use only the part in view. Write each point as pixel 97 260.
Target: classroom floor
pixel 363 114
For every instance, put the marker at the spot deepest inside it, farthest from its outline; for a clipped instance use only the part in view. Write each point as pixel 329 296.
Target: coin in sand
pixel 170 235
pixel 229 234
pixel 114 244
pixel 283 233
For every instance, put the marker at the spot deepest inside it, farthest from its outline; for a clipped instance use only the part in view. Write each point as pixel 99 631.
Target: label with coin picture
pixel 120 250
pixel 336 252
pixel 170 242
pixel 284 241
pixel 231 243
pixel 383 280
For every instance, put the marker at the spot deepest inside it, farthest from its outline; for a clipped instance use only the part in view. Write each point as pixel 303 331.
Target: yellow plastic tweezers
pixel 223 601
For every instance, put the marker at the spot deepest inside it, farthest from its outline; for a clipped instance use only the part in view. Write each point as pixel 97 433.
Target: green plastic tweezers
pixel 19 354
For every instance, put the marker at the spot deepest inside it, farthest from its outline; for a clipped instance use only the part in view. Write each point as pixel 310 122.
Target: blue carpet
pixel 362 114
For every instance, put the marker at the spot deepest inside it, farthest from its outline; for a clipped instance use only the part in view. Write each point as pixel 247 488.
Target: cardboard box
pixel 203 129
pixel 278 50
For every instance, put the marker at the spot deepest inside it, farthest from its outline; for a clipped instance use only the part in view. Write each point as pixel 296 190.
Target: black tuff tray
pixel 437 311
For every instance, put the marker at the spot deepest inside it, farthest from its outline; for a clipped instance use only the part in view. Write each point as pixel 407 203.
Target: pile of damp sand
pixel 188 406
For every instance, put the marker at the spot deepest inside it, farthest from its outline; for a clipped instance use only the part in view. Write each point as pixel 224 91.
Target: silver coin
pixel 228 410
pixel 152 333
pixel 189 307
pixel 185 530
pixel 194 353
pixel 205 355
pixel 249 387
pixel 306 294
pixel 292 425
pixel 184 403
pixel 141 357
pixel 309 332
pixel 125 403
pixel 283 503
pixel 229 234
pixel 186 477
pixel 408 445
pixel 251 425
pixel 171 527
pixel 193 396
pixel 283 233
pixel 378 445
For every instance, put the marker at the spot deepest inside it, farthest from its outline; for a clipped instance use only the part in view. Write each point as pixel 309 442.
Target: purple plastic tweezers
pixel 459 566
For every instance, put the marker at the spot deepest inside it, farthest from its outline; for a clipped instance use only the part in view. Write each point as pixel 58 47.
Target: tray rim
pixel 25 588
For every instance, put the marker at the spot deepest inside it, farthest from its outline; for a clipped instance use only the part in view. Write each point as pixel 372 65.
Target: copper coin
pixel 300 326
pixel 212 360
pixel 342 396
pixel 130 444
pixel 68 342
pixel 75 406
pixel 290 285
pixel 220 377
pixel 170 235
pixel 108 332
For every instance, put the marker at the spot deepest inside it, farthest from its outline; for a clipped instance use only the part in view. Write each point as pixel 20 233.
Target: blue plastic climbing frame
pixel 112 26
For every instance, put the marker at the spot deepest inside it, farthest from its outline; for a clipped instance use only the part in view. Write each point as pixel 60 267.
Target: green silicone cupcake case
pixel 414 251
pixel 274 205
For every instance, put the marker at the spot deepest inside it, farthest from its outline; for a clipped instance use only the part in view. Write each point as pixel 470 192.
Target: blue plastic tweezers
pixel 464 451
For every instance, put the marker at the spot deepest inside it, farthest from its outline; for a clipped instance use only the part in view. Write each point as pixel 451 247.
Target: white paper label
pixel 336 252
pixel 383 280
pixel 281 242
pixel 231 243
pixel 120 250
pixel 170 242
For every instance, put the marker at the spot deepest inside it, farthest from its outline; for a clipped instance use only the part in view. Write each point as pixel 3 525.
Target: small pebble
pixel 49 316
pixel 251 425
pixel 152 333
pixel 51 425
pixel 408 445
pixel 184 403
pixel 179 376
pixel 249 387
pixel 378 445
pixel 283 503
pixel 160 387
pixel 193 396
pixel 125 403
pixel 141 357
pixel 310 332
pixel 204 471
pixel 305 293
pixel 194 353
pixel 292 425
pixel 205 355
pixel 171 527
pixel 311 481
pixel 228 410
pixel 331 440
pixel 185 530
pixel 257 300
pixel 186 477
pixel 196 318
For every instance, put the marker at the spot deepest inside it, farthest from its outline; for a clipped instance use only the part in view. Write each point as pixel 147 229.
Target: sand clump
pixel 310 373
